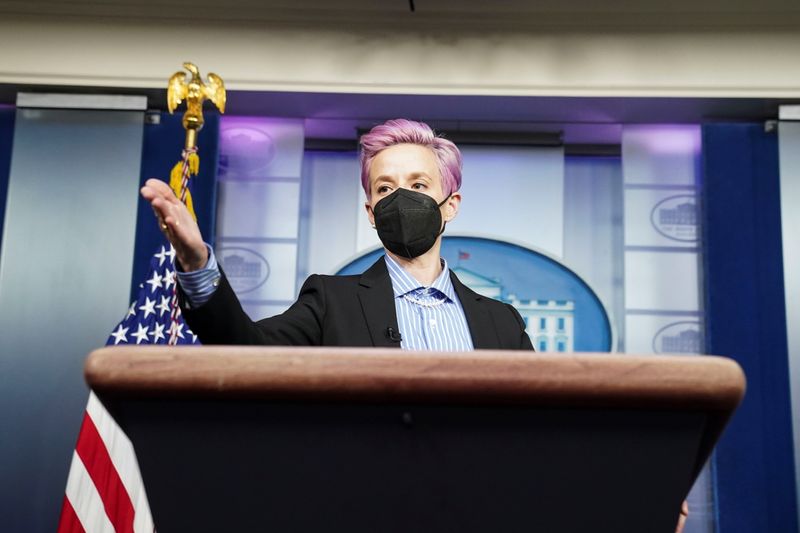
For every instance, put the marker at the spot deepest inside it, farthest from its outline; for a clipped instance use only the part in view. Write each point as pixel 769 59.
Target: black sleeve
pixel 222 320
pixel 524 339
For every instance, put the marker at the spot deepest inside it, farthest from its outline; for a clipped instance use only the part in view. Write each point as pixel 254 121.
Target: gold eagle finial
pixel 195 91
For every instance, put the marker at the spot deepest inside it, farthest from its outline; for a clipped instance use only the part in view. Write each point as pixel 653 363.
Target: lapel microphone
pixel 393 335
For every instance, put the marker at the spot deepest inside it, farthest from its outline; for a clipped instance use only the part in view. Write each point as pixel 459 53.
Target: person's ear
pixel 451 206
pixel 370 214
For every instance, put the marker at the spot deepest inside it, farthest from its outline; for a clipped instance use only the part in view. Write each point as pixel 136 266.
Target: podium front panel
pixel 258 466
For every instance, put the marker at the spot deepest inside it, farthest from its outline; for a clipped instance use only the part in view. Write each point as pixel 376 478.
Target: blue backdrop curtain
pixel 7 115
pixel 161 149
pixel 746 321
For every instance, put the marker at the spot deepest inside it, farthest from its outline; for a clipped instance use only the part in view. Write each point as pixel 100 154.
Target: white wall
pixel 342 57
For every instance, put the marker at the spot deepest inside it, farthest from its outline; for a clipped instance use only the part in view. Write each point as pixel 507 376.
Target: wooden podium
pixel 361 440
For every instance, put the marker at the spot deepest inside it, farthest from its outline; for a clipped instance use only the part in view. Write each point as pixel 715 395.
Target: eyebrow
pixel 383 179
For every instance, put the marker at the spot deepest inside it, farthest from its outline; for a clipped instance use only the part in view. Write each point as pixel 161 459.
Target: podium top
pixel 706 383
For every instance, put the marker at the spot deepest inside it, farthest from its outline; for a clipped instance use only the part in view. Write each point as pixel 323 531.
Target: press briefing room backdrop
pixel 618 206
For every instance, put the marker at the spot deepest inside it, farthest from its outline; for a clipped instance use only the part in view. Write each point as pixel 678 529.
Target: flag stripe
pixel 69 522
pixel 123 457
pixel 95 457
pixel 85 500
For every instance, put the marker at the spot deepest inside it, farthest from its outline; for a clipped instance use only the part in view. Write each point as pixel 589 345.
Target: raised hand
pixel 177 224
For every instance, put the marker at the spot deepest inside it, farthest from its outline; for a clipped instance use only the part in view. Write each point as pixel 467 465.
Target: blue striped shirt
pixel 199 286
pixel 429 318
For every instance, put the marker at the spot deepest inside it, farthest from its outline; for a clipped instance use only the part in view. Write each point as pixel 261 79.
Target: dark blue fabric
pixel 161 149
pixel 746 320
pixel 7 116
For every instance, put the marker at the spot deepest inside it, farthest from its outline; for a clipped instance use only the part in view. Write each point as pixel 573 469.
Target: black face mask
pixel 408 222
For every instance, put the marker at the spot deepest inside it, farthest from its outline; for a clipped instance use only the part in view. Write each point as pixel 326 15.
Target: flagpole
pixel 194 91
pixel 187 154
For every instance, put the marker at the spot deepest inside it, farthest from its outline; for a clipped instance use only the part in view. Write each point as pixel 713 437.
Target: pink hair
pixel 402 131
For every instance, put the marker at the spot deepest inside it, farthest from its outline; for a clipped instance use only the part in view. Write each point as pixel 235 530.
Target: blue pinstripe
pixel 199 286
pixel 442 327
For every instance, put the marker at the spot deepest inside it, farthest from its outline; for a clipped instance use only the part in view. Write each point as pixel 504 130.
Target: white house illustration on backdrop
pixel 684 214
pixel 549 323
pixel 685 341
pixel 237 266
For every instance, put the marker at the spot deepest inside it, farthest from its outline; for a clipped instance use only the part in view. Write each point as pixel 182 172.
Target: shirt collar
pixel 403 282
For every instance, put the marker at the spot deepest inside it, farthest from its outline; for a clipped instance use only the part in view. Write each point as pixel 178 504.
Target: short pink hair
pixel 402 131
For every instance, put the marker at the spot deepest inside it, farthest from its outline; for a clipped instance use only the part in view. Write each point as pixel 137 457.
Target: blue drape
pixel 746 320
pixel 161 149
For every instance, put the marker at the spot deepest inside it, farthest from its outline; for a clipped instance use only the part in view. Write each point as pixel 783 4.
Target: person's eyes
pixel 419 186
pixel 383 189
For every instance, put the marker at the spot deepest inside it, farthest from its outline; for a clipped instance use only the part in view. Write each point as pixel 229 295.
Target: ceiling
pixel 522 14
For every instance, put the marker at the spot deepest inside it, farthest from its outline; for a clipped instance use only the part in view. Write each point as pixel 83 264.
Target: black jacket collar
pixel 377 302
pixel 479 320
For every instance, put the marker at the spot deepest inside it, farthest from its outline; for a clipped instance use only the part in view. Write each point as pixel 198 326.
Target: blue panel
pixel 746 321
pixel 7 115
pixel 69 232
pixel 527 275
pixel 163 143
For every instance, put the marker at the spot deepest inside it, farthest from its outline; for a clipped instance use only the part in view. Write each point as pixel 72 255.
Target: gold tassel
pixel 176 178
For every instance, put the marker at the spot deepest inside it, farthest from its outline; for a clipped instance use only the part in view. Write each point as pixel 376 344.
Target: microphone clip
pixel 393 334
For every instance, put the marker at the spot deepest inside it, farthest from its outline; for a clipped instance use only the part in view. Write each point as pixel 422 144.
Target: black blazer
pixel 346 311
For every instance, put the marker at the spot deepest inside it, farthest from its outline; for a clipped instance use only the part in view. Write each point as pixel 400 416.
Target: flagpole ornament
pixel 195 91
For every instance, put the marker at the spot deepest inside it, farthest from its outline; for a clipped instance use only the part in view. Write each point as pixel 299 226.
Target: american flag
pixel 104 489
